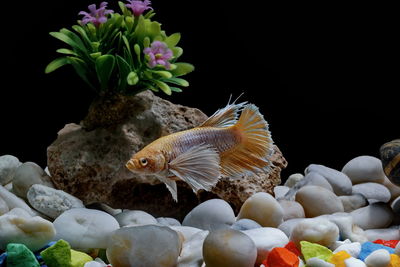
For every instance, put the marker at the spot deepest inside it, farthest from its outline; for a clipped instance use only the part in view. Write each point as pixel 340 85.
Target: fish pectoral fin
pixel 198 166
pixel 171 186
pixel 224 117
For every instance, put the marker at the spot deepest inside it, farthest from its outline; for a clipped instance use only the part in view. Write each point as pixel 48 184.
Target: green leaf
pixel 178 81
pixel 57 63
pixel 153 29
pixel 124 70
pixel 104 68
pixel 132 78
pixel 123 8
pixel 140 28
pixel 83 33
pixel 66 39
pixel 138 52
pixel 182 69
pixel 162 73
pixel 177 52
pixel 176 89
pixel 163 86
pixel 149 14
pixel 129 21
pixel 75 38
pixel 95 55
pixel 126 42
pixel 173 39
pixel 66 51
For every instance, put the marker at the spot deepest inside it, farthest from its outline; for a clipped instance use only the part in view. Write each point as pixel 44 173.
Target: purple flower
pixel 96 16
pixel 138 6
pixel 159 54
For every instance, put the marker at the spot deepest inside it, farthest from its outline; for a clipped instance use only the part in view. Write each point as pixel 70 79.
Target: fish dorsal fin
pixel 171 186
pixel 224 117
pixel 198 166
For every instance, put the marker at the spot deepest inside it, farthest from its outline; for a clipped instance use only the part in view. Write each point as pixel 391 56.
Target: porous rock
pixel 88 160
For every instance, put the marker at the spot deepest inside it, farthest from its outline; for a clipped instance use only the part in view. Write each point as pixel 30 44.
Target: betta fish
pixel 226 144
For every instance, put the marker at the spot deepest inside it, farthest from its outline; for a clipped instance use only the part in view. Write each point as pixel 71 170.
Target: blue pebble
pixel 3 259
pixel 369 247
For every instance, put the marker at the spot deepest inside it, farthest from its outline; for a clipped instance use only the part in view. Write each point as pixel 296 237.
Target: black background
pixel 324 76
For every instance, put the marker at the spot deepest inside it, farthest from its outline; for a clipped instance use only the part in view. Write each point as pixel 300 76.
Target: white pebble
pixel 317 262
pixel 316 230
pixel 385 234
pixel 266 239
pixel 353 249
pixel 185 231
pixel 15 202
pixel 134 217
pixel 397 249
pixel 192 250
pixel 3 207
pixel 347 229
pixel 374 191
pixel 210 215
pixel 353 262
pixel 378 258
pixel 262 208
pixel 339 181
pixel 50 201
pixel 287 226
pixel 17 226
pixel 8 165
pixel 376 215
pixel 353 202
pixel 167 221
pixel 85 228
pixel 280 191
pixel 364 169
pixel 293 179
pixel 245 224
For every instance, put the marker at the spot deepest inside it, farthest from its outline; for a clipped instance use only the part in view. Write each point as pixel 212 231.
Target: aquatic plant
pixel 125 52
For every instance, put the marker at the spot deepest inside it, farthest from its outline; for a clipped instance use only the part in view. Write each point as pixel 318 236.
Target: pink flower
pixel 96 16
pixel 138 6
pixel 159 54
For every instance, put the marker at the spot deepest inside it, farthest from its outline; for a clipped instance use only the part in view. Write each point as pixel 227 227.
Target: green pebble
pixel 18 255
pixel 78 259
pixel 312 250
pixel 58 255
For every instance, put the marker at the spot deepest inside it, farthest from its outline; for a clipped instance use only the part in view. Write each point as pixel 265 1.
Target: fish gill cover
pixel 124 53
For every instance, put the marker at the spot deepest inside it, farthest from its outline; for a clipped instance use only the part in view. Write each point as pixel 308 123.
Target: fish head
pixel 147 162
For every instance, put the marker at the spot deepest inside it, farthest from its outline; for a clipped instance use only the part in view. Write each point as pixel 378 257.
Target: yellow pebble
pixel 394 260
pixel 338 258
pixel 78 259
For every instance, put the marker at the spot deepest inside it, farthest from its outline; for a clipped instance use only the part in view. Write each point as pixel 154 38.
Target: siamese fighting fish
pixel 226 144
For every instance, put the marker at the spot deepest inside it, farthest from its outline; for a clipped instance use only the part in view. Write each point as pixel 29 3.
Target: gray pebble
pixel 245 224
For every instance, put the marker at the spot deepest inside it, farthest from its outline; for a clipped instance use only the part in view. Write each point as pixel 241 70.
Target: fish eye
pixel 143 161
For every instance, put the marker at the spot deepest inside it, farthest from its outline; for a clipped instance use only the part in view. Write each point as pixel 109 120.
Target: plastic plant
pixel 123 53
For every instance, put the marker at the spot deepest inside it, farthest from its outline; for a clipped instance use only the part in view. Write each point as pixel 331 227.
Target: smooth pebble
pixel 394 189
pixel 395 205
pixel 291 209
pixel 144 246
pixel 262 208
pixel 13 201
pixel 245 224
pixel 210 215
pixel 192 250
pixel 8 165
pixel 228 247
pixel 316 230
pixel 27 175
pixel 265 239
pixel 134 217
pixel 353 202
pixel 293 179
pixel 3 207
pixel 317 262
pixel 317 200
pixel 167 221
pixel 186 232
pixel 353 262
pixel 280 191
pixel 85 228
pixel 341 184
pixel 50 201
pixel 385 234
pixel 17 226
pixel 287 226
pixel 347 228
pixel 376 215
pixel 374 191
pixel 352 249
pixel 378 258
pixel 364 169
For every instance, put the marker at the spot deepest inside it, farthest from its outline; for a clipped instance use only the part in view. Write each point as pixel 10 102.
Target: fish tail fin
pixel 255 145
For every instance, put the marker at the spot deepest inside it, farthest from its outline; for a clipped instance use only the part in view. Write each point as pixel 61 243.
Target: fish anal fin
pixel 198 166
pixel 171 186
pixel 255 147
pixel 224 117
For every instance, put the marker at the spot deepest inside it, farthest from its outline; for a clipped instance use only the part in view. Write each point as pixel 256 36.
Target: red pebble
pixel 388 243
pixel 281 257
pixel 291 246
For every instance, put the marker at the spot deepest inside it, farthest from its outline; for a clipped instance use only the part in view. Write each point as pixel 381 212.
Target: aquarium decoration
pixel 124 53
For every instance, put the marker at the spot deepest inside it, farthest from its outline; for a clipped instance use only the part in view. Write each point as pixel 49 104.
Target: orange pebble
pixel 339 258
pixel 282 257
pixel 394 260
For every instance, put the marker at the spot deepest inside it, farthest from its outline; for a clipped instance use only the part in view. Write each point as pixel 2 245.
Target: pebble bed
pixel 324 217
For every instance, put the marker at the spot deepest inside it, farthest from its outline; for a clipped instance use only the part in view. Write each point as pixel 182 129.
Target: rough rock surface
pixel 88 160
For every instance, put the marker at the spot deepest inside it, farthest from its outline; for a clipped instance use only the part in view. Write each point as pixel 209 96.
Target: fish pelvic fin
pixel 171 186
pixel 198 166
pixel 255 145
pixel 224 117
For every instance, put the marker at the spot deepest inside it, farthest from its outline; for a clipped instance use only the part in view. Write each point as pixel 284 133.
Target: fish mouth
pixel 131 165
